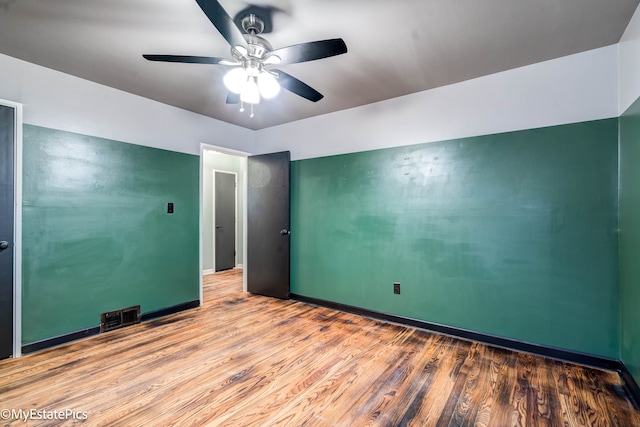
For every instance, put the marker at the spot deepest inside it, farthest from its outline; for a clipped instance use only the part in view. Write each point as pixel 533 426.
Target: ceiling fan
pixel 253 56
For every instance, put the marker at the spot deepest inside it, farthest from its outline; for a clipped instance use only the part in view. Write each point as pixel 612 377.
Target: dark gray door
pixel 268 224
pixel 7 135
pixel 225 221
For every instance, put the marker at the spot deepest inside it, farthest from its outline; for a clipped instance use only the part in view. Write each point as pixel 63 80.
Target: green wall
pixel 96 235
pixel 630 237
pixel 511 234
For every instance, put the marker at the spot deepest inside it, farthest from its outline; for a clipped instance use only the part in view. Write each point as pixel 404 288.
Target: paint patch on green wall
pixel 511 234
pixel 96 233
pixel 630 238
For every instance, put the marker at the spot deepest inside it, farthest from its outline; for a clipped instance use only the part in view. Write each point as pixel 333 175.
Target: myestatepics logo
pixel 42 414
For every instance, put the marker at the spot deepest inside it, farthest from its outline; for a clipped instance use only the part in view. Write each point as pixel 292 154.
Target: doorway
pixel 10 228
pixel 7 148
pixel 263 194
pixel 221 165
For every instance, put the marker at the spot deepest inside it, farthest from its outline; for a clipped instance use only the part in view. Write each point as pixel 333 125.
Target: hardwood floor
pixel 245 360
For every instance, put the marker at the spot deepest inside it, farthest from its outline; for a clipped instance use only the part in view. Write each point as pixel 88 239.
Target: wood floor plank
pixel 242 359
pixel 323 365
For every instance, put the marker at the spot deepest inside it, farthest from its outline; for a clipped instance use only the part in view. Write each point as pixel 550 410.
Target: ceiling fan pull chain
pixel 251 116
pixel 241 106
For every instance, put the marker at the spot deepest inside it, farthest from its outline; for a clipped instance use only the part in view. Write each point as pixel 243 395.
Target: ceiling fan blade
pixel 309 51
pixel 294 85
pixel 233 98
pixel 185 58
pixel 223 22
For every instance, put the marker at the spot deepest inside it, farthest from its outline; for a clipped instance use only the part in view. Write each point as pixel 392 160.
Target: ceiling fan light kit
pixel 268 85
pixel 251 80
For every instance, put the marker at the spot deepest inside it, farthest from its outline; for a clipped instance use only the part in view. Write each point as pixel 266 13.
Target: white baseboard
pixel 239 266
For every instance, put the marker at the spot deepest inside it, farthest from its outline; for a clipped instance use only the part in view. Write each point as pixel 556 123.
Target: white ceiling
pixel 395 47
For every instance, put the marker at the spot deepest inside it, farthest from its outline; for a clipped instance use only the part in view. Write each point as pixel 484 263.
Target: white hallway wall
pixel 215 161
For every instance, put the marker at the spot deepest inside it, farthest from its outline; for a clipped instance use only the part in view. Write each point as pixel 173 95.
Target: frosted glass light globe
pixel 235 80
pixel 250 94
pixel 268 85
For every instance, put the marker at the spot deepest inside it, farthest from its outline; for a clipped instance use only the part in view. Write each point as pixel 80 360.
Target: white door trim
pixel 17 228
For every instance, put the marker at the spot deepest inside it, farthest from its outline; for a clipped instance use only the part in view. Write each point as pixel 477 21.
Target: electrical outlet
pixel 396 288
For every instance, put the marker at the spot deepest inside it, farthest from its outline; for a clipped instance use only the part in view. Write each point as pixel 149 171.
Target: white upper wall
pixel 629 67
pixel 571 89
pixel 60 101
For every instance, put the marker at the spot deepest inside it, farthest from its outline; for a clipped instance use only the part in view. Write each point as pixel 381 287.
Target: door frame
pixel 235 214
pixel 208 147
pixel 17 227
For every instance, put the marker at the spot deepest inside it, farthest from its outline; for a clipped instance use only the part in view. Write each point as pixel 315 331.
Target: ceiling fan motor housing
pixel 258 46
